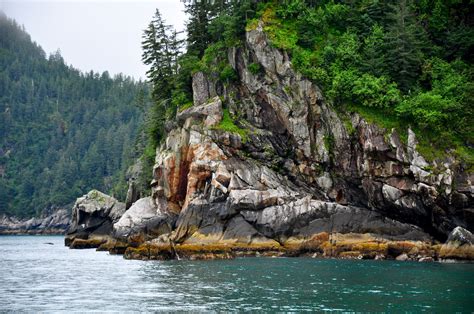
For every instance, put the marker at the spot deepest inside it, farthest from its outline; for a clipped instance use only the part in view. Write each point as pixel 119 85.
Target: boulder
pixel 379 257
pixel 402 257
pixel 460 236
pixel 143 221
pixel 93 216
pixel 460 245
pixel 210 113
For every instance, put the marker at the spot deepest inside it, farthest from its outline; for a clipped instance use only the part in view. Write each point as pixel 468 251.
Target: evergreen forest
pixel 62 132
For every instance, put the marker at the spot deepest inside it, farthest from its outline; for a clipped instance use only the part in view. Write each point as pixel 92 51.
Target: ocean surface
pixel 39 274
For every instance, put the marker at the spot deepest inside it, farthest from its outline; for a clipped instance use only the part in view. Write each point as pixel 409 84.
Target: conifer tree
pixel 161 49
pixel 404 42
pixel 197 27
pixel 156 54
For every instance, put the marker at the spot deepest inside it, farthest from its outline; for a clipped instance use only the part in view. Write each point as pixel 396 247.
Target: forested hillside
pixel 62 132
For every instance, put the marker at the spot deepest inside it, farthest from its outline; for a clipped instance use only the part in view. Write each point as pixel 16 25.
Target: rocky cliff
pixel 267 165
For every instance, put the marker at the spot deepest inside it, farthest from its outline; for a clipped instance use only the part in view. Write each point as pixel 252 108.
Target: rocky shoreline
pixel 56 223
pixel 266 166
pixel 96 217
pixel 341 246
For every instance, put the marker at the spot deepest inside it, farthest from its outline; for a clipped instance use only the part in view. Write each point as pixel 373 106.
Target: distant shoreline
pixel 32 233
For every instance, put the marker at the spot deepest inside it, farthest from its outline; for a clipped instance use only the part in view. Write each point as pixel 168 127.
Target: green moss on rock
pixel 227 124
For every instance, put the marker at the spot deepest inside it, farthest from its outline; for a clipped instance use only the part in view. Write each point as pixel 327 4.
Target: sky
pixel 98 35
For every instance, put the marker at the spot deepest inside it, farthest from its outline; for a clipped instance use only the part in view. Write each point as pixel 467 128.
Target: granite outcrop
pixel 297 177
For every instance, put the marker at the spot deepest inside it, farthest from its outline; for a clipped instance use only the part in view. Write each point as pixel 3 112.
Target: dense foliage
pixel 399 63
pixel 62 132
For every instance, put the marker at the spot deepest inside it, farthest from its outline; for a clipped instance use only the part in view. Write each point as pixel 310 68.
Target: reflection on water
pixel 35 276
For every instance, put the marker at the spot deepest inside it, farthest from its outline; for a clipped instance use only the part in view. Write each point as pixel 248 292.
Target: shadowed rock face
pixel 144 220
pixel 302 174
pixel 93 216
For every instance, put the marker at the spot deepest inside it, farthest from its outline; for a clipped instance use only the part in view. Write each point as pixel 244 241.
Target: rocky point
pixel 296 178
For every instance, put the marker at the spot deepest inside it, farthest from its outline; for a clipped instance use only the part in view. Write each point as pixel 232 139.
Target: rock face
pixel 299 177
pixel 93 216
pixel 143 221
pixel 132 175
pixel 56 223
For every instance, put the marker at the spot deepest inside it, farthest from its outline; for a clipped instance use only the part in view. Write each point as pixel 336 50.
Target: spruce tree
pixel 161 50
pixel 197 27
pixel 404 42
pixel 156 54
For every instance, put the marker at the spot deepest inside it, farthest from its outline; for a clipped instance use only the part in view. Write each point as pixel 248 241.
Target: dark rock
pixel 460 245
pixel 86 243
pixel 93 216
pixel 461 236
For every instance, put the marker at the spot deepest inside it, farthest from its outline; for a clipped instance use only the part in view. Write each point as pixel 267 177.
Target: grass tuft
pixel 227 124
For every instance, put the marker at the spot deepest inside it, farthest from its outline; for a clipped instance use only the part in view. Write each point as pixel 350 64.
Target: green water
pixel 36 276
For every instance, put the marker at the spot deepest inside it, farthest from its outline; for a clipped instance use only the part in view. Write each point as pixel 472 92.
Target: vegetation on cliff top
pixel 397 63
pixel 212 28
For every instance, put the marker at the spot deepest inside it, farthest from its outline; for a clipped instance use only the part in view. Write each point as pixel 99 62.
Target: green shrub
pixel 228 74
pixel 227 124
pixel 179 100
pixel 429 110
pixel 255 68
pixel 372 91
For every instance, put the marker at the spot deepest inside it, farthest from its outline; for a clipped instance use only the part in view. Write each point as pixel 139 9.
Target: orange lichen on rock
pixel 463 252
pixel 201 251
pixel 86 243
pixel 113 246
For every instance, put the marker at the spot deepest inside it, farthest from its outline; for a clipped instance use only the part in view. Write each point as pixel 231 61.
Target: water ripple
pixel 36 277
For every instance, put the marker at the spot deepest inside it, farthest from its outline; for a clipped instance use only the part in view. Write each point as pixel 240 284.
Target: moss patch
pixel 97 196
pixel 185 106
pixel 251 25
pixel 255 68
pixel 227 124
pixel 199 251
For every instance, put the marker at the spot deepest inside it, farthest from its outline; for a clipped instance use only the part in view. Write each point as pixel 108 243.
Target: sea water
pixel 39 274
